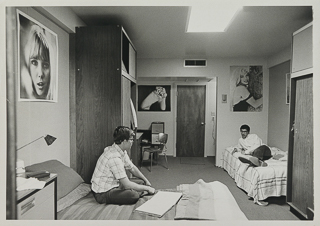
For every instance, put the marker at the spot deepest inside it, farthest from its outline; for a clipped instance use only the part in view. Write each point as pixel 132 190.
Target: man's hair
pixel 122 133
pixel 245 127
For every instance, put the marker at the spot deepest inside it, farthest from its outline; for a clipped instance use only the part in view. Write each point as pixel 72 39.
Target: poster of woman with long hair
pixel 38 61
pixel 246 87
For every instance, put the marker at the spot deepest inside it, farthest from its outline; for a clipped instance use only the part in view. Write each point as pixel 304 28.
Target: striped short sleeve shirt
pixel 110 168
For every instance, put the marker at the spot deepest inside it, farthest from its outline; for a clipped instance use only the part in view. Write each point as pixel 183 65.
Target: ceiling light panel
pixel 211 18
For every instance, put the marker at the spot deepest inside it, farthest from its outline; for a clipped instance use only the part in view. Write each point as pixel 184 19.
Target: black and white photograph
pixel 154 98
pixel 189 112
pixel 246 86
pixel 38 61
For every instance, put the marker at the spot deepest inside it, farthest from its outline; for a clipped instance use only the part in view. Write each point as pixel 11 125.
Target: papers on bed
pixel 160 203
pixel 31 183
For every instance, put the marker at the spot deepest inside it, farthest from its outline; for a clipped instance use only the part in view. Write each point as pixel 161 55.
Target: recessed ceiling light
pixel 211 18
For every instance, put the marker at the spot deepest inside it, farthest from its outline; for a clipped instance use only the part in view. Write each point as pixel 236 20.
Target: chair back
pixel 163 138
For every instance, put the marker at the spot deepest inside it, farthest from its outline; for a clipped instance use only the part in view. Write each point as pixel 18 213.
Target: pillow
pixel 81 191
pixel 278 154
pixel 67 178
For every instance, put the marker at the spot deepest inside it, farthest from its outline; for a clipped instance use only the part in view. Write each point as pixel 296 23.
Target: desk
pixel 147 155
pixel 143 135
pixel 136 150
pixel 143 146
pixel 138 135
pixel 38 204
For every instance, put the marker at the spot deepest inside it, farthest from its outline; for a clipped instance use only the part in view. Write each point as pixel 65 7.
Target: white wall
pixel 228 123
pixel 35 119
pixel 280 57
pixel 278 126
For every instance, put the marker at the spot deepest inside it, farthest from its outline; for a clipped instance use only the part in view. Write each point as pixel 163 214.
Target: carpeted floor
pixel 192 160
pixel 178 173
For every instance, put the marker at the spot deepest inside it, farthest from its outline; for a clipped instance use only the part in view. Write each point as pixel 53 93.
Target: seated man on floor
pixel 110 183
pixel 250 145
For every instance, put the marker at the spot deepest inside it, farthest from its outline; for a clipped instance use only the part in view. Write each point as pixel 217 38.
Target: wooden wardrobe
pixel 300 184
pixel 103 79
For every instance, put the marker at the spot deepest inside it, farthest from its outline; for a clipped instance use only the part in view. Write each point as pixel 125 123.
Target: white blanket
pixel 207 201
pixel 259 182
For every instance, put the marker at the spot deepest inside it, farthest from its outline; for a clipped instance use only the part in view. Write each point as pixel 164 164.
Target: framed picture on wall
pixel 38 61
pixel 154 98
pixel 246 88
pixel 288 88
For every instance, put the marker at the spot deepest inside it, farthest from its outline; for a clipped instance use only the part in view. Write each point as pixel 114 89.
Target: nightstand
pixel 38 204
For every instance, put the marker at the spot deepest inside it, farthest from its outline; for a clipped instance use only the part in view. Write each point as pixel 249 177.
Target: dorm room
pixel 89 105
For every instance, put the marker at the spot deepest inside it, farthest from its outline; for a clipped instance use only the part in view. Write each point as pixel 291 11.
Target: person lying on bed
pixel 251 144
pixel 110 183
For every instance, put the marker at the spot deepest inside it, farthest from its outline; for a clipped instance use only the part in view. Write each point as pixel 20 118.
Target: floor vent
pixel 195 63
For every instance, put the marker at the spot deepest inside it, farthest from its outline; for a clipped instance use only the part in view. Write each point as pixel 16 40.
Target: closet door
pixel 98 93
pixel 300 162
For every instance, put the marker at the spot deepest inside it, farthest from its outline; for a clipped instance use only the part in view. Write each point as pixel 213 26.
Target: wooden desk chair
pixel 157 148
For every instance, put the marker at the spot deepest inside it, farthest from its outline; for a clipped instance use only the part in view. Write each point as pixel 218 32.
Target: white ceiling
pixel 159 31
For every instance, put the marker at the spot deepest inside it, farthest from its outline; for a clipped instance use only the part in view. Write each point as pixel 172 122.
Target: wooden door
pixel 300 168
pixel 190 121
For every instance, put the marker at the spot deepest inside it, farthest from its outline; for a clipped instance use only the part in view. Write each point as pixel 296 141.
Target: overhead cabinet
pixel 128 58
pixel 302 49
pixel 105 80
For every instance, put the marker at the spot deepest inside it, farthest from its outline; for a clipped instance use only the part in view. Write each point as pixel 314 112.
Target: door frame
pixel 208 117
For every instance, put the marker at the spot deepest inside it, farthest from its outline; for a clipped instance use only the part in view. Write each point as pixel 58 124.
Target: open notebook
pixel 160 203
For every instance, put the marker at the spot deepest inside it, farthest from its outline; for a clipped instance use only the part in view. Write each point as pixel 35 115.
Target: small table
pixel 38 204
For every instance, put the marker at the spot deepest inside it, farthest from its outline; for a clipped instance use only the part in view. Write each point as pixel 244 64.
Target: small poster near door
pixel 154 98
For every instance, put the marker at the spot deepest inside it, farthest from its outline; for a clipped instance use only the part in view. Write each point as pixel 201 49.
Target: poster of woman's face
pixel 154 98
pixel 38 61
pixel 246 88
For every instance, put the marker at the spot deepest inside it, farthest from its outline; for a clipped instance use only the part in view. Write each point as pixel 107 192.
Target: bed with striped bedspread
pixel 259 182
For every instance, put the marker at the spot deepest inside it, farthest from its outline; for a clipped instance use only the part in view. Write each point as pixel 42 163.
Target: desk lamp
pixel 20 164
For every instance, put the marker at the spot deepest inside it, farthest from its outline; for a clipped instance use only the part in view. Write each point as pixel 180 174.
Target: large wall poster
pixel 38 61
pixel 246 88
pixel 154 98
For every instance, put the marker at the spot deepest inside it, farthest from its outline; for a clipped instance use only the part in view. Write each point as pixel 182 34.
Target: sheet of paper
pixel 31 183
pixel 160 203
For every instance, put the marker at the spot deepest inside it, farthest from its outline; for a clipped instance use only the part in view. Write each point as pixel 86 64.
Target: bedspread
pixel 87 208
pixel 201 201
pixel 259 182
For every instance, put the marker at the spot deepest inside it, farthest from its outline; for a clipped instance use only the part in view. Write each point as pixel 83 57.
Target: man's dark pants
pixel 118 195
pixel 263 153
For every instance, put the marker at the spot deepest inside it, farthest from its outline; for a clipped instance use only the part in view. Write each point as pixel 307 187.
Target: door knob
pixel 202 123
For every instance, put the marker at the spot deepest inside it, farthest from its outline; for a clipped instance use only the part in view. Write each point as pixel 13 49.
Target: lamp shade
pixel 49 139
